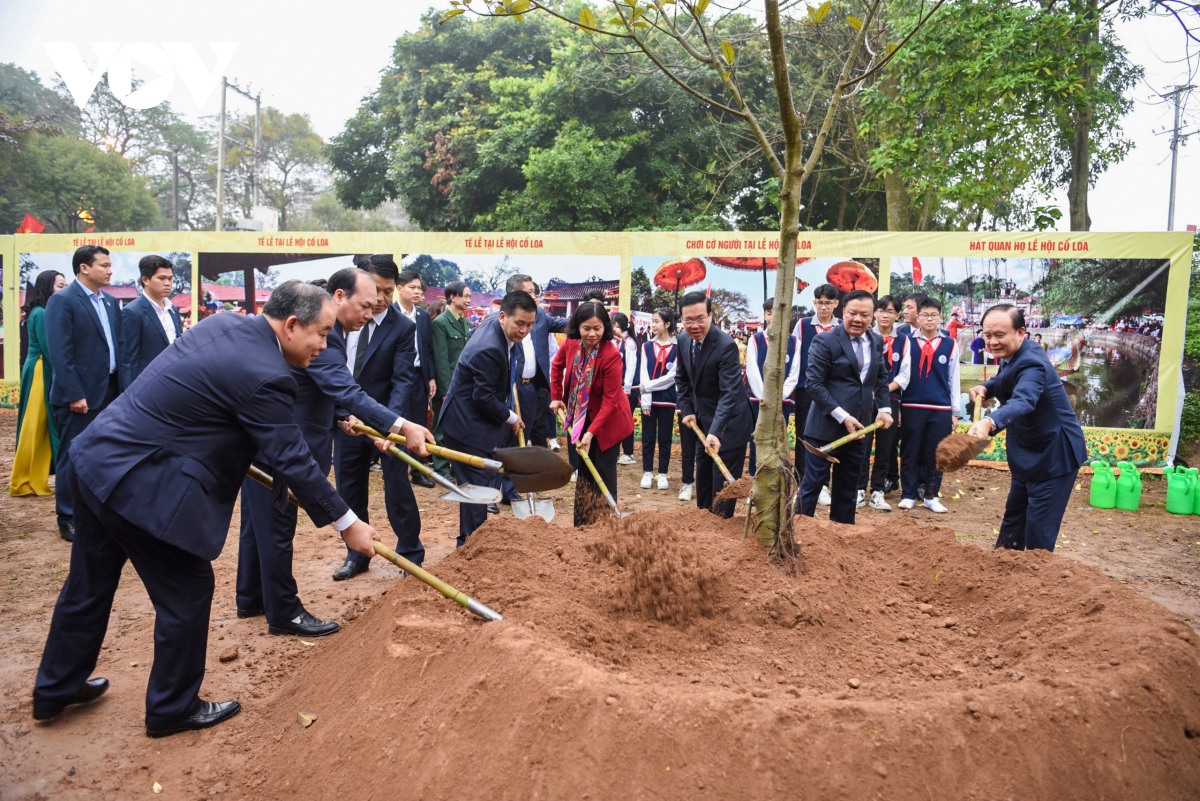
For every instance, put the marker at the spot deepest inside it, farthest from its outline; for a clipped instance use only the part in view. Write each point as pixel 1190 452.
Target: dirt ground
pixel 101 751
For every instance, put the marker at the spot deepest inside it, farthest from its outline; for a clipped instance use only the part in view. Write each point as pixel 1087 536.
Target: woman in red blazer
pixel 585 382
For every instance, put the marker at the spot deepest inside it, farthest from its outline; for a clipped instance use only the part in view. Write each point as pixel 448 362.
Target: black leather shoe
pixel 91 690
pixel 245 613
pixel 421 481
pixel 348 570
pixel 306 626
pixel 210 714
pixel 493 509
pixel 890 486
pixel 67 531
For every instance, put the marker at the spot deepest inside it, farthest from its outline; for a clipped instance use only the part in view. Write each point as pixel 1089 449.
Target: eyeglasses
pixel 692 322
pixel 930 316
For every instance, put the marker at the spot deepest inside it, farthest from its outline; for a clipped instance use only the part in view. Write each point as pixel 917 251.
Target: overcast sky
pixel 322 58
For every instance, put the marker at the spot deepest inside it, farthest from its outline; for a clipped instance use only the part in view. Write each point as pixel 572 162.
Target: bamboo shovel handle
pixel 711 453
pixel 859 434
pixel 517 409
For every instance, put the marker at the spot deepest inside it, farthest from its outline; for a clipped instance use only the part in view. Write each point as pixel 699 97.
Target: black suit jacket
pixel 144 335
pixel 476 407
pixel 1044 439
pixel 833 381
pixel 389 374
pixel 170 455
pixel 325 389
pixel 77 347
pixel 712 388
pixel 543 326
pixel 424 328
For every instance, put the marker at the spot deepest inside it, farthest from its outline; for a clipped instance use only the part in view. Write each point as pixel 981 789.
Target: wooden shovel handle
pixel 711 453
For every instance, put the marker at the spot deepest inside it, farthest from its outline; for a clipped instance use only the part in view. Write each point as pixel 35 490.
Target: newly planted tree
pixel 705 50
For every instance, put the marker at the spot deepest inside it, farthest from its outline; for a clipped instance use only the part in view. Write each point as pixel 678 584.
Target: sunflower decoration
pixel 1121 451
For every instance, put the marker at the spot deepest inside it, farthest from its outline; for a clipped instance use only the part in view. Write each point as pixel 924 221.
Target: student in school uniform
pixel 756 359
pixel 630 375
pixel 658 397
pixel 825 299
pixel 929 378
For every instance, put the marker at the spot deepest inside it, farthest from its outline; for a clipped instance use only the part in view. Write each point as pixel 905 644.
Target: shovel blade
pixel 533 469
pixel 545 510
pixel 819 452
pixel 469 493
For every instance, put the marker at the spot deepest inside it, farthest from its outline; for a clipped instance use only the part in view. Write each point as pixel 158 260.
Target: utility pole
pixel 175 189
pixel 1177 96
pixel 221 161
pixel 257 148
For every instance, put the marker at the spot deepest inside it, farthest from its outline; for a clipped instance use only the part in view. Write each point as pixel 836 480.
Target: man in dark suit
pixel 847 379
pixel 155 479
pixel 538 342
pixel 381 359
pixel 264 577
pixel 708 380
pixel 410 290
pixel 477 416
pixel 151 322
pixel 1045 442
pixel 84 340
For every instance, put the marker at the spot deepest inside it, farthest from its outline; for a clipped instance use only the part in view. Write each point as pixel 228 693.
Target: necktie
pixel 515 358
pixel 695 350
pixel 360 355
pixel 858 353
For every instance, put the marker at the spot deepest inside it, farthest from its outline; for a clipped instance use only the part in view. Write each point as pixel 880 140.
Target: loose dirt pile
pixel 957 450
pixel 737 490
pixel 663 657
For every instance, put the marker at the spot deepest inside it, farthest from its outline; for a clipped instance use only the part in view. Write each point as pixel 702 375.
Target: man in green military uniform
pixel 450 332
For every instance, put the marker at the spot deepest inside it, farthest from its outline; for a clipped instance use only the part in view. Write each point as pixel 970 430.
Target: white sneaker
pixel 625 459
pixel 862 499
pixel 936 506
pixel 554 446
pixel 574 476
pixel 824 499
pixel 907 503
pixel 685 493
pixel 877 502
pixel 647 480
pixel 662 481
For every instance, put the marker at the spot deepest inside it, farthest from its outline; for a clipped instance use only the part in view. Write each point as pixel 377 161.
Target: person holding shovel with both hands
pixel 586 384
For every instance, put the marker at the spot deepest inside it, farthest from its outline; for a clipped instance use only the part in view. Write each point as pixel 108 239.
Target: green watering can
pixel 1129 488
pixel 1104 486
pixel 1181 490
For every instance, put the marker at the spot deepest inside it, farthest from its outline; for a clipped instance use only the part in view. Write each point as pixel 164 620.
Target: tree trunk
pixel 1088 18
pixel 899 207
pixel 770 436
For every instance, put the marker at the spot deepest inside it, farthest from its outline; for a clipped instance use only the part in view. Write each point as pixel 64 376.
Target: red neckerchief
pixel 887 348
pixel 822 328
pixel 928 348
pixel 660 357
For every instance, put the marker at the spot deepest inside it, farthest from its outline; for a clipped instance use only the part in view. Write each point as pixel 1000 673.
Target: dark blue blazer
pixel 424 345
pixel 144 335
pixel 326 389
pixel 76 341
pixel 543 326
pixel 712 388
pixel 389 375
pixel 476 404
pixel 1044 439
pixel 170 455
pixel 833 381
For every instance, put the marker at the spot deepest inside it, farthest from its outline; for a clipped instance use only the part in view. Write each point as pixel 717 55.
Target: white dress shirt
pixel 353 337
pixel 416 334
pixel 163 311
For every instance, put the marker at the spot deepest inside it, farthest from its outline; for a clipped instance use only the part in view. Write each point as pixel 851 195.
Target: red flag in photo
pixel 30 225
pixel 708 291
pixel 917 275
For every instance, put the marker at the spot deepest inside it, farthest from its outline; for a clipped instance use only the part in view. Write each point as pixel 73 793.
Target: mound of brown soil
pixel 957 450
pixel 663 657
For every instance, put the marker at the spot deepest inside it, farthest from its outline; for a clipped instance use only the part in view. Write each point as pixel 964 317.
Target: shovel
pixel 956 450
pixel 824 450
pixel 729 479
pixel 460 598
pixel 529 469
pixel 587 460
pixel 467 493
pixel 523 509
